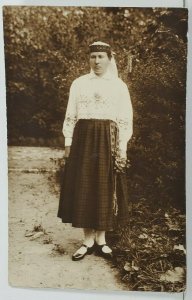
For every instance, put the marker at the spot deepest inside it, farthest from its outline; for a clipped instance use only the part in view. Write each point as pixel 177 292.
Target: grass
pixel 151 247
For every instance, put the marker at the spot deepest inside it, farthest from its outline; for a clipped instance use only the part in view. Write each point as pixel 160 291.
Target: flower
pixel 121 164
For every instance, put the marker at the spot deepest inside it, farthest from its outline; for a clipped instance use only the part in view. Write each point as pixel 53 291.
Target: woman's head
pixel 100 57
pixel 101 47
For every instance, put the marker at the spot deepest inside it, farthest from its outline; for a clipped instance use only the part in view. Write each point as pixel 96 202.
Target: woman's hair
pixel 109 54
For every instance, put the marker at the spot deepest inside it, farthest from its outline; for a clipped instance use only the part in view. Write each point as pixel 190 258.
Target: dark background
pixel 46 48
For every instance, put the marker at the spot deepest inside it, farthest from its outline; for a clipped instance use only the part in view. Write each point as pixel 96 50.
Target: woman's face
pixel 99 62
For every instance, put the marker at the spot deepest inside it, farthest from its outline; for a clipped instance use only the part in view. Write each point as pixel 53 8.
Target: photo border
pixel 7 292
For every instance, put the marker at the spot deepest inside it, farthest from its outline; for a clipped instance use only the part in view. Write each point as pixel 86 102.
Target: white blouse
pixel 94 97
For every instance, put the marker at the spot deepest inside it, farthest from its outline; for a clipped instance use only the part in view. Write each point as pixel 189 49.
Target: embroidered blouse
pixel 94 97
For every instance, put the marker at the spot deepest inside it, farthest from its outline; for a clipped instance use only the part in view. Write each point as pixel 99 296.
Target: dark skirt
pixel 86 198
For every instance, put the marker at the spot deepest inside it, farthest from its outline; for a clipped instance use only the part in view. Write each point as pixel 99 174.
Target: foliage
pixel 150 252
pixel 46 49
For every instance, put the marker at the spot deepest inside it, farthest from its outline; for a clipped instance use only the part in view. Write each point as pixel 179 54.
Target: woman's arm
pixel 67 151
pixel 70 117
pixel 125 120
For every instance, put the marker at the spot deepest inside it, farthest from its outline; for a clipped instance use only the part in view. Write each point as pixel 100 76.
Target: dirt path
pixel 32 202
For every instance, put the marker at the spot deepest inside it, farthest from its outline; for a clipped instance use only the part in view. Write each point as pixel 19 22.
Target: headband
pixel 100 47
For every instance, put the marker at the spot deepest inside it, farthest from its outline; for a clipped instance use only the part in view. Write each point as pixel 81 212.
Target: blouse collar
pixel 107 75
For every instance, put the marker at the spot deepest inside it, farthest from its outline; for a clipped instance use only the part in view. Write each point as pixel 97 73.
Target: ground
pixel 40 246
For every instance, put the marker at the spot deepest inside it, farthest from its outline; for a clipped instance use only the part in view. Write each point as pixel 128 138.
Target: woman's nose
pixel 96 60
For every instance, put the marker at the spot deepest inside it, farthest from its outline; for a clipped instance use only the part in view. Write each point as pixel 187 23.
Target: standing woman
pixel 97 128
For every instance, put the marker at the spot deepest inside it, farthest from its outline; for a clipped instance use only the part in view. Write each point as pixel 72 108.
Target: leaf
pixel 143 236
pixel 173 228
pixel 135 268
pixel 131 267
pixel 28 234
pixel 179 247
pixel 127 267
pixel 175 275
pixel 37 235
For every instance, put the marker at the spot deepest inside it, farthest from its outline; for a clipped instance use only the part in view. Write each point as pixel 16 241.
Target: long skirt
pixel 87 191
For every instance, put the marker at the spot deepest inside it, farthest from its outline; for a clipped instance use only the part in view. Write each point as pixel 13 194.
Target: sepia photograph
pixel 96 111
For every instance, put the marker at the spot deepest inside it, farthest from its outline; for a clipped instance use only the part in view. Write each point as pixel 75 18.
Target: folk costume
pixel 97 126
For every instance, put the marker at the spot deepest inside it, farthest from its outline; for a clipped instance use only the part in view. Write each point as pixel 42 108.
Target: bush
pixel 46 49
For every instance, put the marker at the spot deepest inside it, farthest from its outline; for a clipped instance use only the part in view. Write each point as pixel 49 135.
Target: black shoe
pixel 79 256
pixel 99 251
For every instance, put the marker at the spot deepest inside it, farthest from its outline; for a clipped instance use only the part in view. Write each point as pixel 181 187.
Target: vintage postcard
pixel 96 101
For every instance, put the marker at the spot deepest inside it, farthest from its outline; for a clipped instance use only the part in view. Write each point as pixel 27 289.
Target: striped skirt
pixel 87 191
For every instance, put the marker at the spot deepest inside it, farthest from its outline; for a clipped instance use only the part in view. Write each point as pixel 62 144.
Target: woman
pixel 97 127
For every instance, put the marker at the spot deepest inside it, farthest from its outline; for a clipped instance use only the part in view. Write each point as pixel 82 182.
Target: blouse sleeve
pixel 125 120
pixel 70 116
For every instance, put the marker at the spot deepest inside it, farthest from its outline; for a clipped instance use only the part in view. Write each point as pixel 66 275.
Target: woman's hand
pixel 67 151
